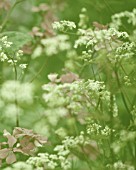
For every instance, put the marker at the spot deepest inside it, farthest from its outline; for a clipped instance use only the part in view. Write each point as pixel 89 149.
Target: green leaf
pixel 19 39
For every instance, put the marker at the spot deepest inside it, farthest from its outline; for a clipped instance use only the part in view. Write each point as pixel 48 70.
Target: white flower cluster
pixel 42 160
pixel 117 18
pixel 61 132
pixel 127 81
pixel 14 90
pixel 5 42
pixel 115 107
pixel 6 55
pixel 64 25
pixel 56 44
pixel 119 165
pixel 109 42
pixel 77 96
pixel 10 110
pixel 60 159
pixel 83 19
pixel 23 66
pixel 125 136
pixel 95 129
pixel 3 56
pixel 87 56
pixel 94 38
pixel 20 166
pixel 52 95
pixel 125 51
pixel 89 86
pixel 96 89
pixel 19 53
pixel 54 115
pixel 51 161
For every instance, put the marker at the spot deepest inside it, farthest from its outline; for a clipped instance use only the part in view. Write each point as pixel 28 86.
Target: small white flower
pixel 23 66
pixel 19 53
pixel 3 56
pixel 7 44
pixel 12 61
pixel 4 38
pixel 66 164
pixel 62 25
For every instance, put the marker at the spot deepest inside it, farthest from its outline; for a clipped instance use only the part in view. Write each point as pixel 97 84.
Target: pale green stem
pixel 9 14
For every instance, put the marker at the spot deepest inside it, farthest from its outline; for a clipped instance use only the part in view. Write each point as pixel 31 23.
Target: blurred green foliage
pixel 20 29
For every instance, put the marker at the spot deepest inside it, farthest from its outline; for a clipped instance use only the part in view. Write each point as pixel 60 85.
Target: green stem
pixel 9 14
pixel 1 70
pixel 135 154
pixel 16 102
pixel 122 95
pixel 111 120
pixel 82 69
pixel 40 70
pixel 93 73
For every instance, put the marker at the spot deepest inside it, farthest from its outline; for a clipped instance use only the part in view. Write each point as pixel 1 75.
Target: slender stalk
pixel 14 64
pixel 82 69
pixel 9 14
pixel 111 120
pixel 1 70
pixel 40 70
pixel 16 102
pixel 122 95
pixel 93 73
pixel 135 154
